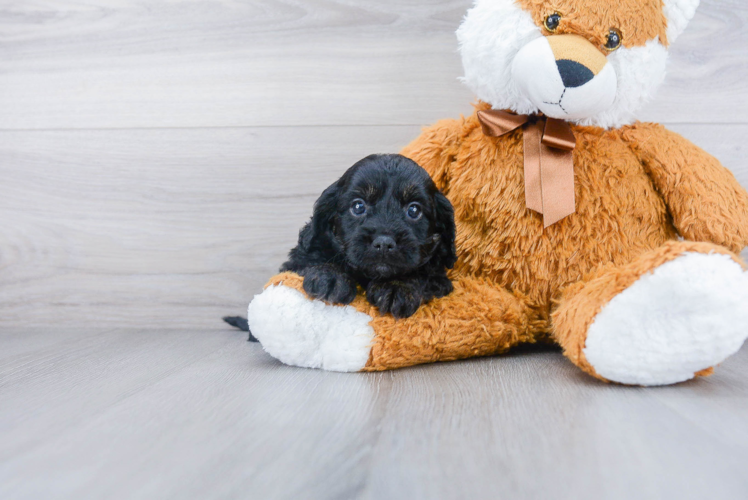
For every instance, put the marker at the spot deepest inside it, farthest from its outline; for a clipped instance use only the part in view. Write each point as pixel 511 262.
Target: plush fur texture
pixel 695 302
pixel 310 334
pixel 553 95
pixel 496 34
pixel 384 226
pixel 638 20
pixel 678 14
pixel 656 217
pixel 637 189
pixel 580 304
pixel 482 320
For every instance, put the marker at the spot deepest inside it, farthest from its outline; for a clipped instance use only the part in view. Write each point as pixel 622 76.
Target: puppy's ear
pixel 323 219
pixel 445 226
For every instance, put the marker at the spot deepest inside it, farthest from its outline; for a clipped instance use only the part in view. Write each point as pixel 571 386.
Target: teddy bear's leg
pixel 477 319
pixel 309 333
pixel 672 314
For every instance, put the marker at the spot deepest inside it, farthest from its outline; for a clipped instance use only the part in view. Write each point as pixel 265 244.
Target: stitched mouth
pixel 560 100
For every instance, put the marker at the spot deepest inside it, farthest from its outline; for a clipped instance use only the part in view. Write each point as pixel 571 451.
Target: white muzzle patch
pixel 561 85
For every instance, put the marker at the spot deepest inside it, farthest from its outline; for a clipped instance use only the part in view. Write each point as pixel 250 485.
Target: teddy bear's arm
pixel 435 150
pixel 705 200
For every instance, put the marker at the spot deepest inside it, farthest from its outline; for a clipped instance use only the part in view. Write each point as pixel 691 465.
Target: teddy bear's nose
pixel 573 73
pixel 577 60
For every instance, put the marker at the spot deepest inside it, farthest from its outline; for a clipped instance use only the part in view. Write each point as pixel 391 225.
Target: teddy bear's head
pixel 585 61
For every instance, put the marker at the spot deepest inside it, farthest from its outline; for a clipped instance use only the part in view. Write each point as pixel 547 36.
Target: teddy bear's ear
pixel 678 14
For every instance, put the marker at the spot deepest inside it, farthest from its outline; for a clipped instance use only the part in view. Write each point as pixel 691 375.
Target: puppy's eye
pixel 551 22
pixel 358 208
pixel 614 41
pixel 414 211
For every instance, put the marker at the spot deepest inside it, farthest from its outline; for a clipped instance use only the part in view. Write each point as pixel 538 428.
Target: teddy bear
pixel 576 224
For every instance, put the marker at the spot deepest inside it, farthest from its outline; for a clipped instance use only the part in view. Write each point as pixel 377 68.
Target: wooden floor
pixel 157 158
pixel 204 414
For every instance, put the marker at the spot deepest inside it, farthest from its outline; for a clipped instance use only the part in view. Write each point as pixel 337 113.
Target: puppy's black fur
pixel 241 324
pixel 383 225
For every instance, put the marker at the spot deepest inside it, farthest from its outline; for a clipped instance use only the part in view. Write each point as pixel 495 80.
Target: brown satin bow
pixel 549 165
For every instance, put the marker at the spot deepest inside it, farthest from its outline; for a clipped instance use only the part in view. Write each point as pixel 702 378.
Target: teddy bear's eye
pixel 614 40
pixel 552 22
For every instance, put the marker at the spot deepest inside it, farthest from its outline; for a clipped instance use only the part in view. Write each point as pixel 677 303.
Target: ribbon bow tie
pixel 549 165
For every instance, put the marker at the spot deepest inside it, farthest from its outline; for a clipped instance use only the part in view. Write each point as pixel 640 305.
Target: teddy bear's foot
pixel 689 315
pixel 310 333
pixel 674 322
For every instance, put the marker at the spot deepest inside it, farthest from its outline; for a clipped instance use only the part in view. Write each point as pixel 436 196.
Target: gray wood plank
pixel 160 227
pixel 217 63
pixel 24 341
pixel 52 388
pixel 225 422
pixel 182 222
pixel 177 227
pixel 535 427
pixel 221 419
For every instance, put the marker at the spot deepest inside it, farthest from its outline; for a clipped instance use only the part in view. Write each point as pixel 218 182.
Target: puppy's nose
pixel 384 244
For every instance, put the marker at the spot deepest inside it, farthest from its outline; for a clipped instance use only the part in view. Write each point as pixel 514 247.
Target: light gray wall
pixel 158 157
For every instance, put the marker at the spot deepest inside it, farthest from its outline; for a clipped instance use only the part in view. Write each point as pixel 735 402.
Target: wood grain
pixel 199 414
pixel 217 63
pixel 157 159
pixel 128 197
pixel 177 227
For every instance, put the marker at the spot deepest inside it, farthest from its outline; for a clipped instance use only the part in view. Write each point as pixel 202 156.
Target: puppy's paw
pixel 400 298
pixel 438 287
pixel 328 283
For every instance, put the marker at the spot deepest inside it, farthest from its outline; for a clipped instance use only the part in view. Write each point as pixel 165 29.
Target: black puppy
pixel 383 225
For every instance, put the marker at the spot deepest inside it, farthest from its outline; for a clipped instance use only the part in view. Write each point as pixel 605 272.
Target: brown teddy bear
pixel 576 224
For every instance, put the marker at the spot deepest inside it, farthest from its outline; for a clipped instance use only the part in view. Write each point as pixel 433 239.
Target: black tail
pixel 241 324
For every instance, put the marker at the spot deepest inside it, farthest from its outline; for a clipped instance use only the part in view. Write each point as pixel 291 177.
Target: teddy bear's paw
pixel 686 316
pixel 310 333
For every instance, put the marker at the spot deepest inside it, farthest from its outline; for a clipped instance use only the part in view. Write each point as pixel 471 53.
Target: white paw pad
pixel 310 333
pixel 686 316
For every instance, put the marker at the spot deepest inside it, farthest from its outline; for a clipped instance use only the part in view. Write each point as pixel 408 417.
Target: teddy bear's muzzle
pixel 565 77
